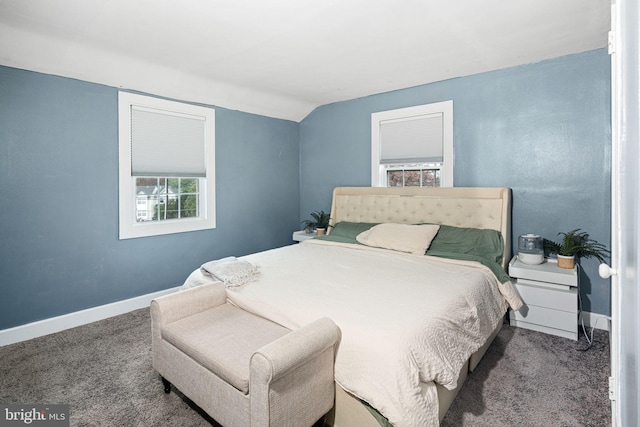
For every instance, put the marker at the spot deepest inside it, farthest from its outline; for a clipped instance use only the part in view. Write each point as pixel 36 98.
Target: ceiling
pixel 283 58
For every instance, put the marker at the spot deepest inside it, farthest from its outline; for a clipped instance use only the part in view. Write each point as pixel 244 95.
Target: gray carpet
pixel 531 379
pixel 103 371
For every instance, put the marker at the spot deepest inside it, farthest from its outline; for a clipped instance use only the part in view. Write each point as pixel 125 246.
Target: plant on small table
pixel 575 244
pixel 320 222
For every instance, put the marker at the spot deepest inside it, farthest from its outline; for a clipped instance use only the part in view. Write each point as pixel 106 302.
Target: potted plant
pixel 575 244
pixel 319 223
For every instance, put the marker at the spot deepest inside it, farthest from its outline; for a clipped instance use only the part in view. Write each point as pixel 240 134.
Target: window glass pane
pixel 431 178
pixel 412 178
pixel 189 205
pixel 394 179
pixel 162 198
pixel 189 197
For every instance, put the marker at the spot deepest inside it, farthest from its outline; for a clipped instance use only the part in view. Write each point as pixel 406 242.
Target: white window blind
pixel 167 144
pixel 416 139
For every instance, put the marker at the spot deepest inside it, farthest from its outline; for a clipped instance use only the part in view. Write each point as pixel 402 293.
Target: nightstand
pixel 301 235
pixel 550 296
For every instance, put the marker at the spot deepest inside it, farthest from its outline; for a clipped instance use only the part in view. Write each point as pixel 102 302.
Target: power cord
pixel 589 337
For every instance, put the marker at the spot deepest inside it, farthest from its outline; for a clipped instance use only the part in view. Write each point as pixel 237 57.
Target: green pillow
pixel 472 244
pixel 349 230
pixel 471 241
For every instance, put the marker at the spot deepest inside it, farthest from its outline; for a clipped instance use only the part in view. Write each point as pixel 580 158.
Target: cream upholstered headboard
pixel 473 207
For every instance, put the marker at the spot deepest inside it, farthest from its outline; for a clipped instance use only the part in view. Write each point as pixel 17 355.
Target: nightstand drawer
pixel 551 296
pixel 556 319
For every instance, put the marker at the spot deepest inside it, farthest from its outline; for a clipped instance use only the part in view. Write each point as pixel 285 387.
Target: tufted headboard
pixel 473 207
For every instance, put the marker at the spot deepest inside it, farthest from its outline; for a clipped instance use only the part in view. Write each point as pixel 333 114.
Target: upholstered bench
pixel 242 369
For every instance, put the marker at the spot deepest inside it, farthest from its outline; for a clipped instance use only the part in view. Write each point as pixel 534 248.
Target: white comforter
pixel 407 321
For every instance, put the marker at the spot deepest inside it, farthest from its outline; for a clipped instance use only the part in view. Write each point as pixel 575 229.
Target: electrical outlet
pixel 612 388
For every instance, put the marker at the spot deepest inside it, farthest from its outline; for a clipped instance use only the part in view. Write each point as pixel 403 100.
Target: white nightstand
pixel 301 235
pixel 550 296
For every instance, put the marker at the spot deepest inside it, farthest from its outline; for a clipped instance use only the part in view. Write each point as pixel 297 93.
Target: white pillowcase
pixel 414 239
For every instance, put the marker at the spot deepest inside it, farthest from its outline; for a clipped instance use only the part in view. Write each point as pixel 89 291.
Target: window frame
pixel 129 227
pixel 445 108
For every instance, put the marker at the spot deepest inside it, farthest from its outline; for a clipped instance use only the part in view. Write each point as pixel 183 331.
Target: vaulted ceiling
pixel 283 58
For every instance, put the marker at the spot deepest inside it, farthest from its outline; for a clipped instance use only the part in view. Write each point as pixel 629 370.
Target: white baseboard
pixel 599 321
pixel 78 318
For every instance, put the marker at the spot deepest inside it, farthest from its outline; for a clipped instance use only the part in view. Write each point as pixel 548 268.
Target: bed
pixel 415 319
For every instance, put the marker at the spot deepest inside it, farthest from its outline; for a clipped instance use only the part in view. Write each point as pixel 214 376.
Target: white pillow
pixel 414 239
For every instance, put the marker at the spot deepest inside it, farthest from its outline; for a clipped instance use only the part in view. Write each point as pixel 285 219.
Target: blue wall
pixel 60 251
pixel 542 129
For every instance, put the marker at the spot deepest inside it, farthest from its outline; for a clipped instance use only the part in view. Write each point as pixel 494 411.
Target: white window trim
pixel 378 177
pixel 129 227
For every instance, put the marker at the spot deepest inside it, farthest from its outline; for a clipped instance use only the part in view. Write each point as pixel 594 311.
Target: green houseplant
pixel 319 222
pixel 575 244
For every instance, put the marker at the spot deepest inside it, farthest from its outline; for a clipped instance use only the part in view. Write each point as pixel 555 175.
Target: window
pixel 413 146
pixel 413 175
pixel 166 162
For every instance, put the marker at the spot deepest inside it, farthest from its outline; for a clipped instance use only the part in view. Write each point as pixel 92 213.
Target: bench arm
pixel 169 308
pixel 292 378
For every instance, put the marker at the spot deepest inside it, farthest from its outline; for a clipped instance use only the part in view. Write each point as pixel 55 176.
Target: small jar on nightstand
pixel 550 296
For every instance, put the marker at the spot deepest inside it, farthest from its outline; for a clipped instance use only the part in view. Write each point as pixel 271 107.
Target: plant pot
pixel 566 261
pixel 321 231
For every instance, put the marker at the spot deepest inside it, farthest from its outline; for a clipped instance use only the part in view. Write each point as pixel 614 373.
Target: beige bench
pixel 241 369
